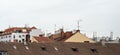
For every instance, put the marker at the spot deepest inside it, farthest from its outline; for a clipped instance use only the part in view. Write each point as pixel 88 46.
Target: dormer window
pixel 93 50
pixel 86 41
pixel 43 48
pixel 74 49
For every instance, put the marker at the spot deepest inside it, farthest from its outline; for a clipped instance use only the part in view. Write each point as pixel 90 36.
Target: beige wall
pixel 78 37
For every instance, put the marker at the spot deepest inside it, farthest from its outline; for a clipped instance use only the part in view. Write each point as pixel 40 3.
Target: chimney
pixel 77 30
pixel 68 34
pixel 40 35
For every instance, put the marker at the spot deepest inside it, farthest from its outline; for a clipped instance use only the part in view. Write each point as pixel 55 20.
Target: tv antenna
pixel 78 23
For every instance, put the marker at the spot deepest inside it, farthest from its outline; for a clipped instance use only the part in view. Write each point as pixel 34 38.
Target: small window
pixel 9 36
pixel 56 48
pixel 9 40
pixel 1 37
pixel 19 36
pixel 43 48
pixel 23 35
pixel 27 47
pixel 86 41
pixel 14 36
pixel 3 52
pixel 6 36
pixel 93 50
pixel 74 49
pixel 14 47
pixel 19 41
pixel 23 40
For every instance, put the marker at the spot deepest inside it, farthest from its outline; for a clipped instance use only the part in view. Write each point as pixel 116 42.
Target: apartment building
pixel 19 34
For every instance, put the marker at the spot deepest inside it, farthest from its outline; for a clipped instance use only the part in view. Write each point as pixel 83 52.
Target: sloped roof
pixel 78 37
pixel 42 39
pixel 13 29
pixel 60 48
pixel 61 36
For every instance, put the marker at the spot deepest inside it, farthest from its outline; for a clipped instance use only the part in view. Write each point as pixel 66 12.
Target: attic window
pixel 43 48
pixel 56 48
pixel 3 52
pixel 14 47
pixel 93 50
pixel 74 49
pixel 86 41
pixel 27 47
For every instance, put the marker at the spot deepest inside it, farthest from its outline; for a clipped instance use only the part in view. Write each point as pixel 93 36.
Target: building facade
pixel 19 34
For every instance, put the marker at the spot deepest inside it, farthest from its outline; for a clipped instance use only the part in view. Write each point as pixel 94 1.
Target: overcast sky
pixel 100 16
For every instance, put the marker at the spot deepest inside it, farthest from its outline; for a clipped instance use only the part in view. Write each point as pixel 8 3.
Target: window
pixel 74 49
pixel 14 36
pixel 3 52
pixel 1 37
pixel 43 48
pixel 19 36
pixel 27 47
pixel 93 50
pixel 86 41
pixel 6 36
pixel 23 40
pixel 23 35
pixel 9 36
pixel 56 48
pixel 14 47
pixel 19 41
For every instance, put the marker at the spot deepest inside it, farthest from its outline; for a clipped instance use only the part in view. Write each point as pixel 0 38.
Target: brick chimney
pixel 68 34
pixel 77 30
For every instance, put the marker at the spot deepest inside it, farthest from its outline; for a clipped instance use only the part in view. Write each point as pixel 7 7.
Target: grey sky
pixel 97 15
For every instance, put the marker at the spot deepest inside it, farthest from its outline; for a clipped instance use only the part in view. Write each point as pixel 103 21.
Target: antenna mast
pixel 55 28
pixel 9 26
pixel 78 24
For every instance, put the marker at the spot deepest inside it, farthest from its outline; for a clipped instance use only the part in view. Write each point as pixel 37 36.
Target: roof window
pixel 43 48
pixel 86 41
pixel 94 50
pixel 74 49
pixel 26 47
pixel 14 47
pixel 56 48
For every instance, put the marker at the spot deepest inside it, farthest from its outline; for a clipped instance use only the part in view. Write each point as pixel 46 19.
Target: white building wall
pixel 13 36
pixel 19 37
pixel 5 38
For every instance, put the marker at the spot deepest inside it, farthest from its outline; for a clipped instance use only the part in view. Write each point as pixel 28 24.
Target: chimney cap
pixel 77 30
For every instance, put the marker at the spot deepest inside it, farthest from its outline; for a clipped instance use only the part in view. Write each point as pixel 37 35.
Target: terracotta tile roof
pixel 43 39
pixel 61 36
pixel 14 29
